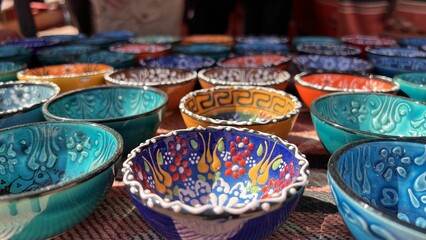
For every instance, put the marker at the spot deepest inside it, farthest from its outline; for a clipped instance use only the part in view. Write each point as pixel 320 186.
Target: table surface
pixel 316 216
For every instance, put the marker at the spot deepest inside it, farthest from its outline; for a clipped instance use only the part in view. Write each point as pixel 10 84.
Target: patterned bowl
pixel 64 38
pixel 156 39
pixel 262 40
pixel 215 183
pixel 53 175
pixel 15 54
pixel 215 51
pixel 392 66
pixel 259 60
pixel 63 54
pixel 260 48
pixel 209 38
pixel 314 39
pixel 316 63
pixel 117 36
pixel 262 77
pixel 8 70
pixel 342 118
pixel 134 112
pixel 313 85
pixel 378 186
pixel 179 62
pixel 117 60
pixel 413 84
pixel 142 51
pixel 68 76
pixel 328 49
pixel 375 53
pixel 21 102
pixel 99 42
pixel 175 82
pixel 412 42
pixel 364 41
pixel 262 109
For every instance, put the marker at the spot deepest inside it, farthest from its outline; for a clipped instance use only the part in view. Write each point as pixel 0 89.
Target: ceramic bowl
pixel 21 102
pixel 99 42
pixel 262 77
pixel 117 60
pixel 215 183
pixel 364 41
pixel 64 38
pixel 134 112
pixel 63 54
pixel 342 118
pixel 262 39
pixel 260 48
pixel 412 42
pixel 179 62
pixel 156 39
pixel 378 187
pixel 68 76
pixel 315 63
pixel 375 53
pixel 215 51
pixel 33 43
pixel 117 36
pixel 175 82
pixel 413 84
pixel 259 60
pixel 142 51
pixel 313 85
pixel 15 54
pixel 391 66
pixel 263 109
pixel 328 49
pixel 8 70
pixel 209 38
pixel 314 39
pixel 53 176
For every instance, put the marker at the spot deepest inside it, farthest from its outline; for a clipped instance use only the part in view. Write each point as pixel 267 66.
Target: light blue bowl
pixel 379 186
pixel 343 118
pixel 8 70
pixel 413 84
pixel 316 63
pixel 53 175
pixel 21 102
pixel 215 51
pixel 215 183
pixel 134 112
pixel 117 60
pixel 179 62
pixel 63 54
pixel 15 54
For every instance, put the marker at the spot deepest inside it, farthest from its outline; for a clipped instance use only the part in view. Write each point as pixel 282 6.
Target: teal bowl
pixel 63 54
pixel 8 70
pixel 215 51
pixel 117 60
pixel 15 54
pixel 21 102
pixel 53 175
pixel 134 112
pixel 342 118
pixel 413 84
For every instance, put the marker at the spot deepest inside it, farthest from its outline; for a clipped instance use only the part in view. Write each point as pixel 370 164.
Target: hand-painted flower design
pixel 178 147
pixel 263 116
pixel 180 169
pixel 179 166
pixel 240 150
pixel 273 188
pixel 7 159
pixel 395 159
pixel 142 177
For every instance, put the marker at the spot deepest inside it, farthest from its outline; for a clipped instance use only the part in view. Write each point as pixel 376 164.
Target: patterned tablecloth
pixel 316 216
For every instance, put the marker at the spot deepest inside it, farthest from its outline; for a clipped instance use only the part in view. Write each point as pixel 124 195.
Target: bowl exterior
pixel 415 90
pixel 33 115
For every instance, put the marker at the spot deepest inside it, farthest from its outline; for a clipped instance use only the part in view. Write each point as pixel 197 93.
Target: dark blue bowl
pixel 117 60
pixel 414 42
pixel 318 63
pixel 64 38
pixel 179 62
pixel 63 54
pixel 328 49
pixel 117 36
pixel 260 48
pixel 262 40
pixel 15 54
pixel 215 51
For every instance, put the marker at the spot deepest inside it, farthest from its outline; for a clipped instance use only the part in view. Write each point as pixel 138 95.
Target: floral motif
pixel 179 166
pixel 356 112
pixel 391 161
pixel 240 150
pixel 78 146
pixel 7 159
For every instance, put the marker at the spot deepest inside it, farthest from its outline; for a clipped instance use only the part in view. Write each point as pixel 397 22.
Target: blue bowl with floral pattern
pixel 179 62
pixel 15 54
pixel 342 118
pixel 378 186
pixel 413 84
pixel 53 175
pixel 9 70
pixel 215 51
pixel 215 182
pixel 318 63
pixel 63 54
pixel 117 60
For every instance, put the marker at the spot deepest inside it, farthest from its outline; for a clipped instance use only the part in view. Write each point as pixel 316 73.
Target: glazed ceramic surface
pixel 328 49
pixel 134 112
pixel 175 82
pixel 263 109
pixel 260 48
pixel 15 54
pixel 208 38
pixel 215 183
pixel 63 54
pixel 378 187
pixel 117 36
pixel 68 76
pixel 142 51
pixel 391 66
pixel 156 39
pixel 342 118
pixel 314 39
pixel 53 175
pixel 260 60
pixel 413 84
pixel 262 40
pixel 262 77
pixel 179 62
pixel 8 70
pixel 313 85
pixel 412 42
pixel 215 51
pixel 20 102
pixel 341 64
pixel 117 60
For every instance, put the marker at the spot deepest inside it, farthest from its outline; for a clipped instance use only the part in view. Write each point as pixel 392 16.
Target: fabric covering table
pixel 316 216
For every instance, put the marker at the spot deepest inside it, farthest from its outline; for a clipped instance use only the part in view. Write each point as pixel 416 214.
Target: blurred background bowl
pixel 314 39
pixel 64 38
pixel 117 60
pixel 179 61
pixel 328 49
pixel 117 36
pixel 99 42
pixel 15 54
pixel 156 39
pixel 215 51
pixel 413 84
pixel 364 41
pixel 391 66
pixel 62 54
pixel 412 42
pixel 209 38
pixel 266 39
pixel 260 48
pixel 260 60
pixel 9 70
pixel 142 51
pixel 319 63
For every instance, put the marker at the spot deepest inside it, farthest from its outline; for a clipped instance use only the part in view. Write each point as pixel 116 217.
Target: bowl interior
pixel 263 60
pixel 388 175
pixel 216 167
pixel 20 95
pixel 42 155
pixel 103 103
pixel 67 70
pixel 151 76
pixel 244 76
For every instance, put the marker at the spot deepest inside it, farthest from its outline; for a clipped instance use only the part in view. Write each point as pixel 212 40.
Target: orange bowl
pixel 209 38
pixel 142 50
pixel 258 60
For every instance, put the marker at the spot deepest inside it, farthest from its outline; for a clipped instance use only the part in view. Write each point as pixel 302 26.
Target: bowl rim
pixel 367 68
pixel 286 59
pixel 350 50
pixel 399 79
pixel 374 51
pixel 118 47
pixel 215 81
pixel 298 79
pixel 49 115
pixel 22 109
pixel 174 57
pixel 18 67
pixel 34 42
pixel 290 115
pixel 70 183
pixel 262 204
pixel 335 176
pixel 192 75
pixel 23 73
pixel 316 114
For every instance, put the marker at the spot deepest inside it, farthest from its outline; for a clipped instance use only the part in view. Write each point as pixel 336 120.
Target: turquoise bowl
pixel 8 70
pixel 215 183
pixel 413 84
pixel 314 39
pixel 15 54
pixel 21 102
pixel 215 51
pixel 342 118
pixel 378 186
pixel 53 175
pixel 117 60
pixel 134 112
pixel 63 54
